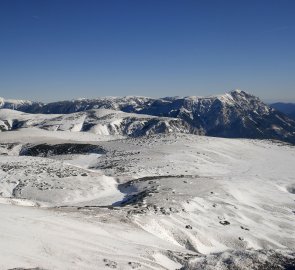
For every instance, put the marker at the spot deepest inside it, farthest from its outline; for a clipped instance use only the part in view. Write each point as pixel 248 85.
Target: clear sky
pixel 64 49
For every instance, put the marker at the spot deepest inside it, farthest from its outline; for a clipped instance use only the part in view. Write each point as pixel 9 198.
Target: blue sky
pixel 64 49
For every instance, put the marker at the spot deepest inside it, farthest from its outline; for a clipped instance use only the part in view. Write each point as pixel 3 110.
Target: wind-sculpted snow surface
pixel 236 114
pixel 165 201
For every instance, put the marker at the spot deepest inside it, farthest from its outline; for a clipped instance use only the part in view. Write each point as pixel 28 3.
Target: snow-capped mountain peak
pixel 233 114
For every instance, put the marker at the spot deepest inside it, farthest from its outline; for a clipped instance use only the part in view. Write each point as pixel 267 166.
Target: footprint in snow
pixel 134 265
pixel 244 228
pixel 224 222
pixel 109 263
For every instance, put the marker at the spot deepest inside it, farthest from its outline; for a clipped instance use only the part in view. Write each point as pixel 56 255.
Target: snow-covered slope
pixel 125 183
pixel 21 105
pixel 236 114
pixel 165 201
pixel 100 121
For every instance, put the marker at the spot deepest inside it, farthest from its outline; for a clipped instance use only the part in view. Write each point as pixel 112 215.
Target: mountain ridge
pixel 98 121
pixel 236 114
pixel 37 106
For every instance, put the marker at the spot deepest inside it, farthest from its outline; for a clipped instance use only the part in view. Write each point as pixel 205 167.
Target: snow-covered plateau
pixel 106 189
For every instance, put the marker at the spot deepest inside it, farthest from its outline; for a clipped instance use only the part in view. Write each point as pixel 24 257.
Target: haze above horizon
pixel 60 49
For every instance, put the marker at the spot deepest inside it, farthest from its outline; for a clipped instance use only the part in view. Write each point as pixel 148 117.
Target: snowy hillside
pixel 165 201
pixel 100 121
pixel 129 183
pixel 21 105
pixel 236 114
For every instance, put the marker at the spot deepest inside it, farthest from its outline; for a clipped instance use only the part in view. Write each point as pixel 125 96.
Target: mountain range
pixel 124 183
pixel 97 121
pixel 236 114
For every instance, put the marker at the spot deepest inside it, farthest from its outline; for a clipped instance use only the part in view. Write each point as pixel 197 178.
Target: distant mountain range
pixel 98 121
pixel 286 108
pixel 236 114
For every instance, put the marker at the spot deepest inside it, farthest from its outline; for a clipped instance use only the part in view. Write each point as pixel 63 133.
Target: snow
pixel 236 114
pixel 56 240
pixel 102 122
pixel 155 202
pixel 36 135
